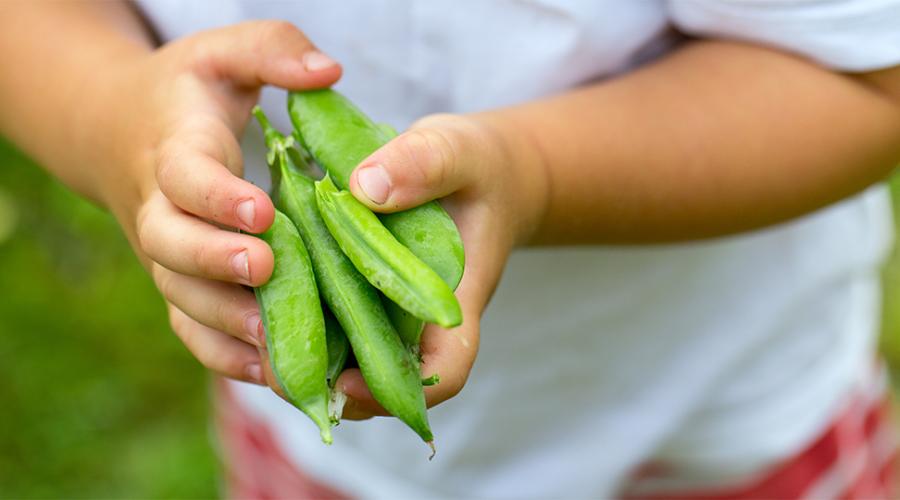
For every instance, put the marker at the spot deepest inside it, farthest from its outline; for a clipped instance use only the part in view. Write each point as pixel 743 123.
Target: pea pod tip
pixel 451 318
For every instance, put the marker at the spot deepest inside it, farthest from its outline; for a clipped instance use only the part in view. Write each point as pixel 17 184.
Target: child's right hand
pixel 172 175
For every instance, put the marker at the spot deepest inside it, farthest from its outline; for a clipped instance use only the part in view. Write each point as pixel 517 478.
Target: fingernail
pixel 261 333
pixel 241 265
pixel 375 183
pixel 254 373
pixel 317 61
pixel 246 212
pixel 253 326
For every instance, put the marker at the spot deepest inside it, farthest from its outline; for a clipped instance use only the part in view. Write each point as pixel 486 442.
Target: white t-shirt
pixel 715 358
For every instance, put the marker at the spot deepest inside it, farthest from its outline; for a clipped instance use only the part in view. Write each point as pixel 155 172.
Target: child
pixel 732 359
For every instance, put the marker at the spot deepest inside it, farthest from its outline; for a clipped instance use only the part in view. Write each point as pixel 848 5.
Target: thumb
pixel 257 53
pixel 439 156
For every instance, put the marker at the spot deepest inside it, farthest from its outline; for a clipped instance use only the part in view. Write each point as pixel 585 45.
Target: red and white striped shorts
pixel 855 457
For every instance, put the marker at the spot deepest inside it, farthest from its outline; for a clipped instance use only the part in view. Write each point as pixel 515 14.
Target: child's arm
pixel 151 134
pixel 714 139
pixel 718 138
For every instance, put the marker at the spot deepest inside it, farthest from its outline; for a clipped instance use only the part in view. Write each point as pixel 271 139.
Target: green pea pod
pixel 415 229
pixel 339 136
pixel 408 326
pixel 387 264
pixel 387 130
pixel 392 375
pixel 338 348
pixel 295 330
pixel 426 244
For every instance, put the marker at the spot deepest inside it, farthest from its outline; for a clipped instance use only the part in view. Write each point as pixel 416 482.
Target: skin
pixel 713 139
pixel 166 164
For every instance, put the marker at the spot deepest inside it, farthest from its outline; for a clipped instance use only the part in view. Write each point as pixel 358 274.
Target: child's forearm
pixel 57 59
pixel 715 139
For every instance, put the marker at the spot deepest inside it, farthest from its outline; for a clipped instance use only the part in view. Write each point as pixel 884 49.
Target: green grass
pixel 99 397
pixel 890 335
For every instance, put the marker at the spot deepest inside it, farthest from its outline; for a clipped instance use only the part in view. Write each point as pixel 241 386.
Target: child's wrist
pixel 115 138
pixel 525 173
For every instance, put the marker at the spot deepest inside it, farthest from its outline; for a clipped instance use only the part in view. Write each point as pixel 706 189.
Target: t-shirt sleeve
pixel 847 35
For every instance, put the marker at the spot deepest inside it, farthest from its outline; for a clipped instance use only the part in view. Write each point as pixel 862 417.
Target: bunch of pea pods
pixel 348 281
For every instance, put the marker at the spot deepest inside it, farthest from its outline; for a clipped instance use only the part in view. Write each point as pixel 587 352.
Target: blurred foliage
pixel 100 399
pixel 890 335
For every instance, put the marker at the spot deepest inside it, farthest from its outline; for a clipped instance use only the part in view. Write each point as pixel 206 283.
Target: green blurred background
pixel 100 399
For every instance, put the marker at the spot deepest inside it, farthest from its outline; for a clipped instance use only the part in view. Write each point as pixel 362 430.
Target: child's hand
pixel 491 181
pixel 173 173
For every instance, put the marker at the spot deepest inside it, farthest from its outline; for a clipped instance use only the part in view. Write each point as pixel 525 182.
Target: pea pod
pixel 392 375
pixel 408 326
pixel 426 244
pixel 428 232
pixel 295 329
pixel 339 136
pixel 338 348
pixel 416 230
pixel 386 264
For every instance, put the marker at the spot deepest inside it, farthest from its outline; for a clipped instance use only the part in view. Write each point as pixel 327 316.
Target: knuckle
pixel 220 360
pixel 230 317
pixel 163 279
pixel 278 31
pixel 188 333
pixel 167 167
pixel 177 323
pixel 280 27
pixel 206 359
pixel 201 256
pixel 432 155
pixel 144 230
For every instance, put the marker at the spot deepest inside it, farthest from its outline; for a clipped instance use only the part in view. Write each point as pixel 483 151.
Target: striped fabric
pixel 255 465
pixel 855 458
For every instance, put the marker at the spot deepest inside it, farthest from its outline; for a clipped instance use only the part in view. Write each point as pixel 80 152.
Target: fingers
pixel 202 185
pixel 276 53
pixel 217 351
pixel 269 374
pixel 222 306
pixel 439 156
pixel 360 403
pixel 187 245
pixel 450 353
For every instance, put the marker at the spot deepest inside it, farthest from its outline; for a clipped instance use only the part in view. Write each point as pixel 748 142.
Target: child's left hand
pixel 492 184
